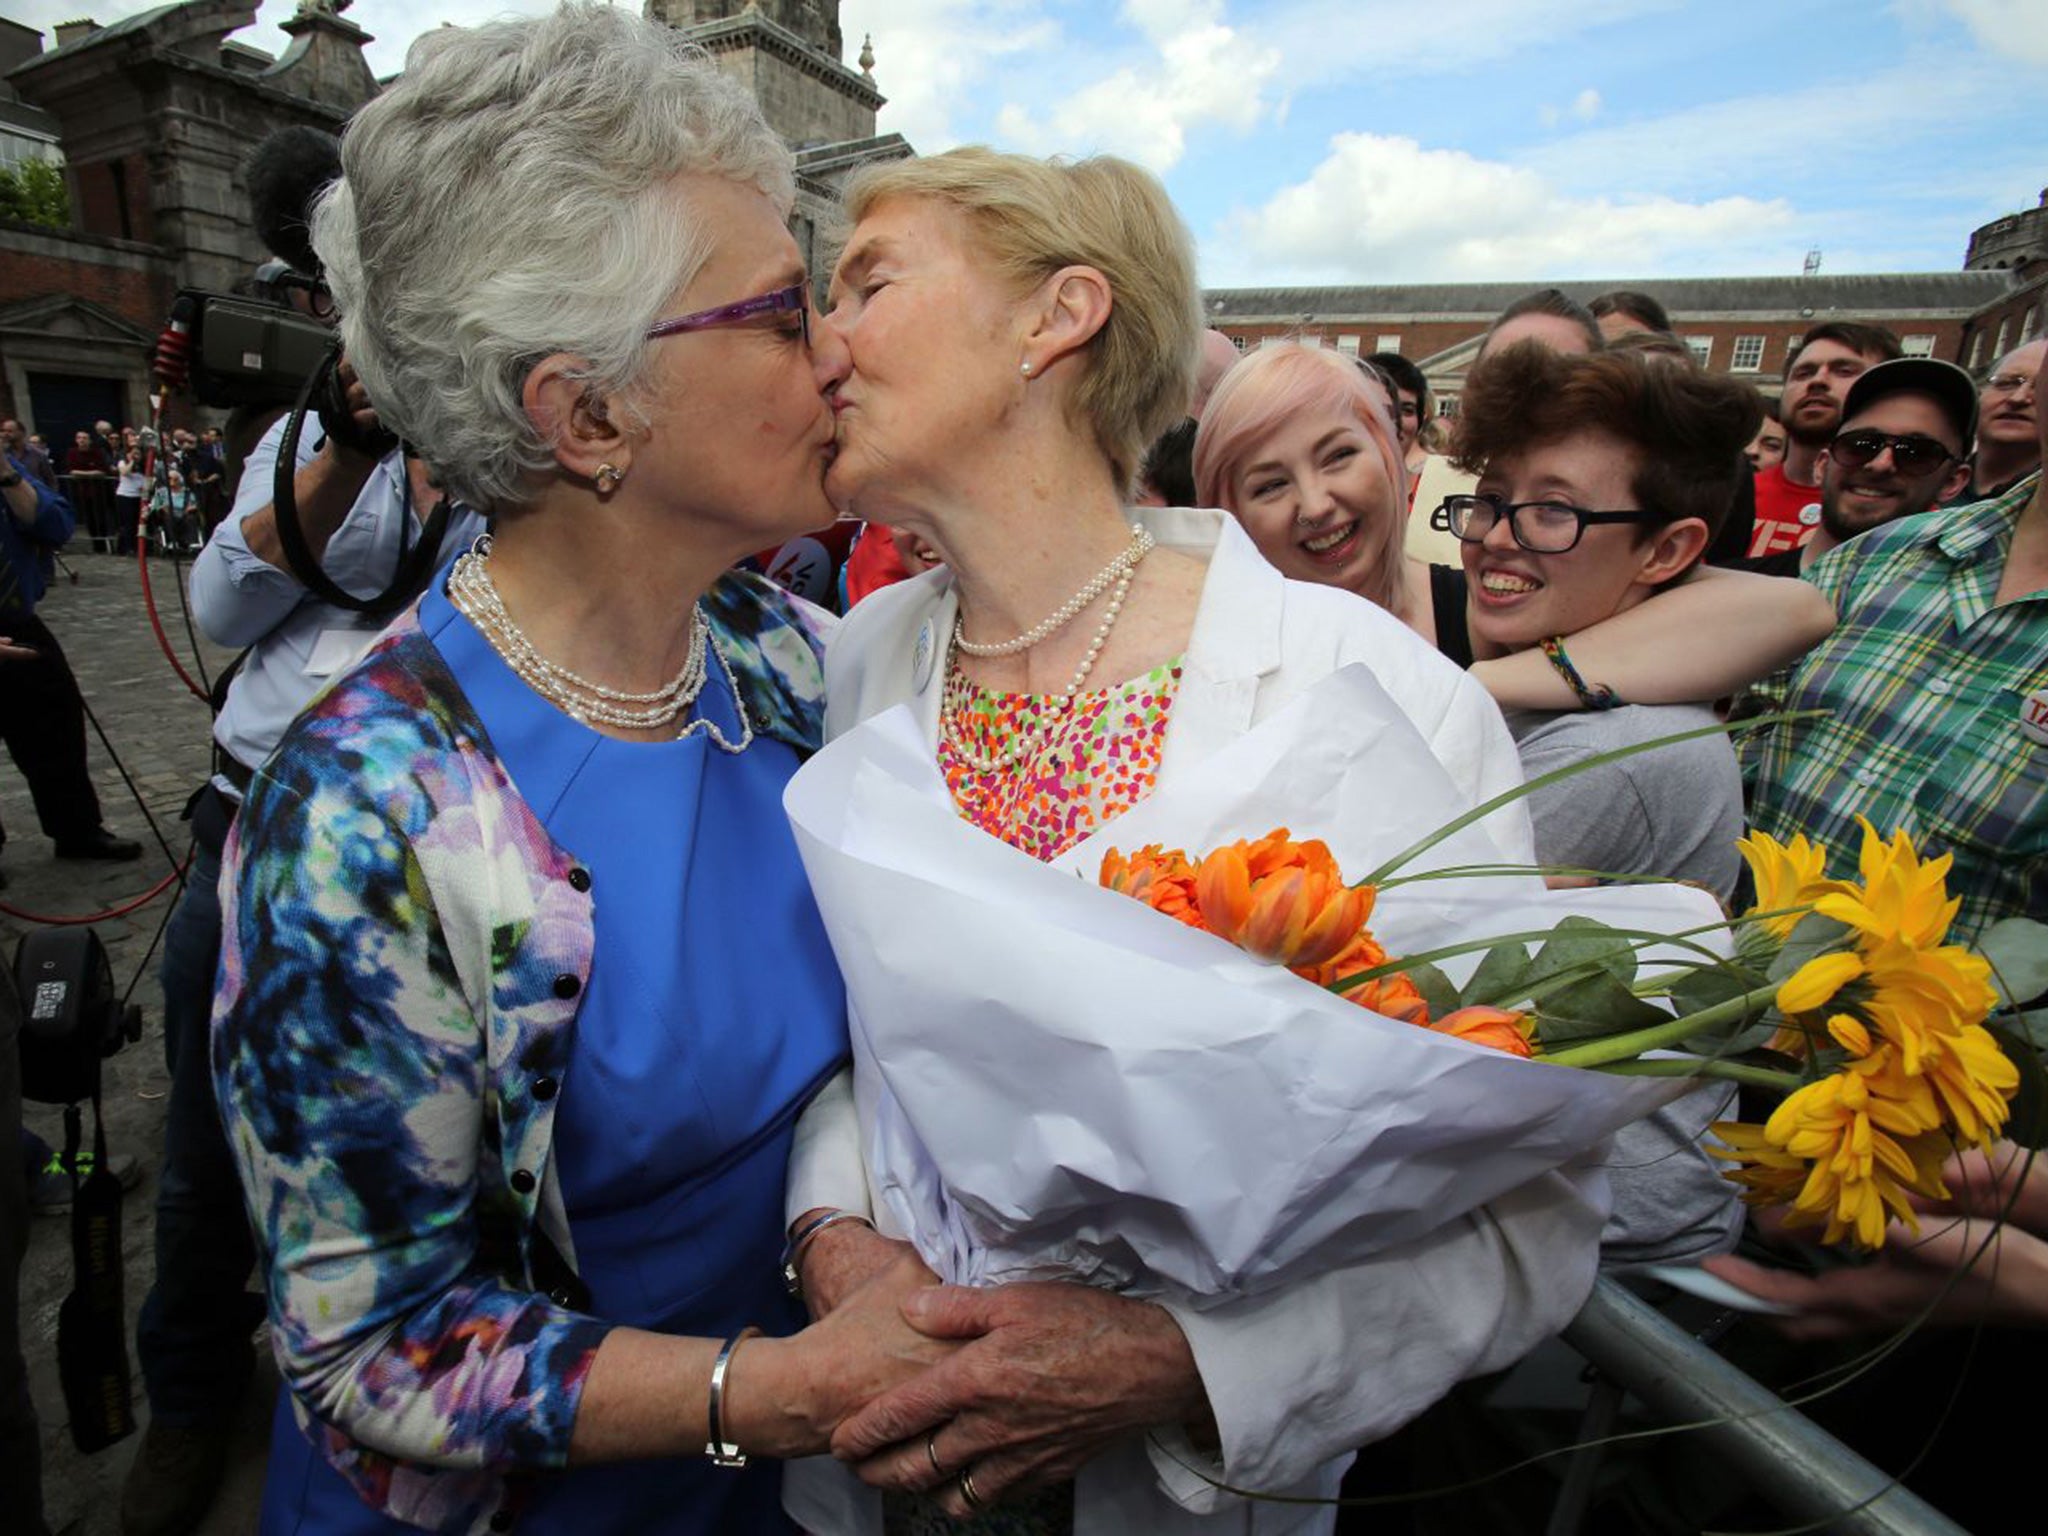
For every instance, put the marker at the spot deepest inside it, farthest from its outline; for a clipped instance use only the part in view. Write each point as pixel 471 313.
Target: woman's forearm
pixel 1711 635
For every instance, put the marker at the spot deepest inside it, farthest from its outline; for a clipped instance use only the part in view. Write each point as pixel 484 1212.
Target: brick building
pixel 155 115
pixel 1740 325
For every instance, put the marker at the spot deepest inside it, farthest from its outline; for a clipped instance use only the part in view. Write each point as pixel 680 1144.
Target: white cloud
pixel 1383 209
pixel 1585 107
pixel 1202 73
pixel 937 59
pixel 2013 29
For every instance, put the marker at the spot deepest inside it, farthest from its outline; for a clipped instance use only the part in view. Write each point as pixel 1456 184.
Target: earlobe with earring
pixel 608 477
pixel 1025 369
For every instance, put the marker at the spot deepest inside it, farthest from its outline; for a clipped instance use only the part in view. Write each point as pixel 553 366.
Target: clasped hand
pixel 1042 1376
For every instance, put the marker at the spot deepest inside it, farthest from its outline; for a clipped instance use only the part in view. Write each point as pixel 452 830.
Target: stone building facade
pixel 156 114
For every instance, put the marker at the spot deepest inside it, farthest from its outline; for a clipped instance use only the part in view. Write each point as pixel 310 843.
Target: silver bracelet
pixel 723 1452
pixel 801 1238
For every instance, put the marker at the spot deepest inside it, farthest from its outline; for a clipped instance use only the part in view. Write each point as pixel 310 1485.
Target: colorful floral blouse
pixel 1077 766
pixel 403 949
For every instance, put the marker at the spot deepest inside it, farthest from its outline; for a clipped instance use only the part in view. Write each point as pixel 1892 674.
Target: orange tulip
pixel 1279 900
pixel 1162 878
pixel 1498 1028
pixel 1392 994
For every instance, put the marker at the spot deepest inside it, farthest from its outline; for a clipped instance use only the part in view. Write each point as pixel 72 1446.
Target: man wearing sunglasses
pixel 1903 448
pixel 1932 701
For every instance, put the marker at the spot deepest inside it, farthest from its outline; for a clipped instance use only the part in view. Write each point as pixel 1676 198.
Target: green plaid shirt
pixel 1924 682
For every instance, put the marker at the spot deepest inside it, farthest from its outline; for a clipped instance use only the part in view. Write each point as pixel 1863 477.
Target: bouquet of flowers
pixel 1296 1069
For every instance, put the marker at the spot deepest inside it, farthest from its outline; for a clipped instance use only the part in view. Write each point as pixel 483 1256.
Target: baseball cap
pixel 1944 383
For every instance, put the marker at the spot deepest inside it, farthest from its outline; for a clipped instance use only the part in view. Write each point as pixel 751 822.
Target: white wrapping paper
pixel 1063 1082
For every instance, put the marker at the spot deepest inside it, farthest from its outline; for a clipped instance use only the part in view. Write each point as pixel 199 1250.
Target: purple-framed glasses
pixel 795 297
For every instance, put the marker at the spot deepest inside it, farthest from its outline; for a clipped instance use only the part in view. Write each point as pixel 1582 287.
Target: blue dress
pixel 710 1020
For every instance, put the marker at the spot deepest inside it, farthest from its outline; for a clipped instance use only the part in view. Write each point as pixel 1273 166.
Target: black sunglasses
pixel 1911 455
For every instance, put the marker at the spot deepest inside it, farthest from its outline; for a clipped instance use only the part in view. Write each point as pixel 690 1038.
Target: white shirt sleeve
pixel 238 597
pixel 1318 1369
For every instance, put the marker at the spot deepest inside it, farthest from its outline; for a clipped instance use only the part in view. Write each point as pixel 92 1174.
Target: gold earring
pixel 608 478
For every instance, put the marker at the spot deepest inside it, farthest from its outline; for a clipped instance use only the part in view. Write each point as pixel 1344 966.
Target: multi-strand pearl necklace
pixel 472 591
pixel 1118 570
pixel 959 692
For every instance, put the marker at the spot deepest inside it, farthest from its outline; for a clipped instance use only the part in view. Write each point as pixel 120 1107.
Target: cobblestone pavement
pixel 159 731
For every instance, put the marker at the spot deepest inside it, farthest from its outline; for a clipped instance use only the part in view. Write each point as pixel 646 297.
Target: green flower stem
pixel 1522 791
pixel 1728 1071
pixel 1600 1053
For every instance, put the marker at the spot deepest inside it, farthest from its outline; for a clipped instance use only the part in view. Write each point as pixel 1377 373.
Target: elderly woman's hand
pixel 845 1256
pixel 1052 1374
pixel 862 1350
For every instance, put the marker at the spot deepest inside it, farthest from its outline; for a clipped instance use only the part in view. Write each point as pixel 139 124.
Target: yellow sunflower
pixel 1865 1152
pixel 1787 875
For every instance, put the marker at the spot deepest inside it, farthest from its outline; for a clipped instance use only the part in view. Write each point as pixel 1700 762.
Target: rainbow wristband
pixel 1592 695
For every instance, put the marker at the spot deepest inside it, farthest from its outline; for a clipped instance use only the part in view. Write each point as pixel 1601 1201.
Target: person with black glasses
pixel 1602 479
pixel 1903 449
pixel 2008 426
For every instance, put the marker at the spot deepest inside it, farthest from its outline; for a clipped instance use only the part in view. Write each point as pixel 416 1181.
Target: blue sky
pixel 1310 141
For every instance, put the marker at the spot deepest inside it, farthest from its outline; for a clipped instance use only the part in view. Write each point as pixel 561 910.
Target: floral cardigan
pixel 403 951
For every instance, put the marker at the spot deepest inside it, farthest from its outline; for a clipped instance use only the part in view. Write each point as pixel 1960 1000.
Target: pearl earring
pixel 1025 369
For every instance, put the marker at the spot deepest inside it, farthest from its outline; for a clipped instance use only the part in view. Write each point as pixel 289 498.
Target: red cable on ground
pixel 149 603
pixel 112 912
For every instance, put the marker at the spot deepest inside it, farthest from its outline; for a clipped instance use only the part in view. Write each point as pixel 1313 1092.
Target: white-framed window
pixel 1917 346
pixel 1312 339
pixel 1238 342
pixel 1270 341
pixel 2030 325
pixel 1977 350
pixel 1348 345
pixel 1447 407
pixel 1702 350
pixel 1387 341
pixel 1748 355
pixel 17 146
pixel 2004 330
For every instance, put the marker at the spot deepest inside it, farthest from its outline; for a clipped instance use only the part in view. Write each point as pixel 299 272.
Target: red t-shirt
pixel 1786 513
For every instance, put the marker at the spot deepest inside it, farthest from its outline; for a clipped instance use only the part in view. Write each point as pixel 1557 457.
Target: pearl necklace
pixel 1118 570
pixel 475 595
pixel 959 691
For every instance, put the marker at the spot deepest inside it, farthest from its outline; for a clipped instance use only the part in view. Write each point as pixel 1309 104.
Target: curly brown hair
pixel 1690 425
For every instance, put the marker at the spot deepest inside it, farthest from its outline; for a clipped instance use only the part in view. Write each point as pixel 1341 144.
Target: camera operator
pixel 360 512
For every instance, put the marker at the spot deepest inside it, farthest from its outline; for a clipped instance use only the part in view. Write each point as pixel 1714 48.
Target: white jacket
pixel 1297 1380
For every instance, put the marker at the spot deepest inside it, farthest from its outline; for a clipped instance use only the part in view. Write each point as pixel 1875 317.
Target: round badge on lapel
pixel 921 657
pixel 2034 717
pixel 1809 515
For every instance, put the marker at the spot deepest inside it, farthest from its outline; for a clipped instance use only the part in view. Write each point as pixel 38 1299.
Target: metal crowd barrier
pixel 1785 1457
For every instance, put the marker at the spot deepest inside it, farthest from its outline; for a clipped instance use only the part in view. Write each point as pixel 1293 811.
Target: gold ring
pixel 967 1488
pixel 931 1449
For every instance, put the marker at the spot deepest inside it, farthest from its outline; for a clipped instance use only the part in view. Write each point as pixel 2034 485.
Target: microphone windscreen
pixel 285 173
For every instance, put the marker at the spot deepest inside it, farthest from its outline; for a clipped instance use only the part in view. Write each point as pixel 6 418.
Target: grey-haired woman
pixel 521 986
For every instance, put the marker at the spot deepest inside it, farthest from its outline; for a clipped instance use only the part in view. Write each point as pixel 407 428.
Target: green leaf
pixel 1706 986
pixel 2028 1125
pixel 1435 987
pixel 1501 978
pixel 1815 935
pixel 2018 951
pixel 1598 1004
pixel 1579 941
pixel 2031 1027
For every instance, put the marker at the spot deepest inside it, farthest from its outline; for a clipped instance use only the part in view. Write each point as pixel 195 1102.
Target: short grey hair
pixel 511 196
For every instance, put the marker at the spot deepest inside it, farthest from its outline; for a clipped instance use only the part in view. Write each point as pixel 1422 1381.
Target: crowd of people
pixel 552 1179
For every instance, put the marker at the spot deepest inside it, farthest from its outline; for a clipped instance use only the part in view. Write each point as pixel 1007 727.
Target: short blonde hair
pixel 1033 217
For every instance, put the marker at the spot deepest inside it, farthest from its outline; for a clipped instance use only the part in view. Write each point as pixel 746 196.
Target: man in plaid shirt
pixel 1935 684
